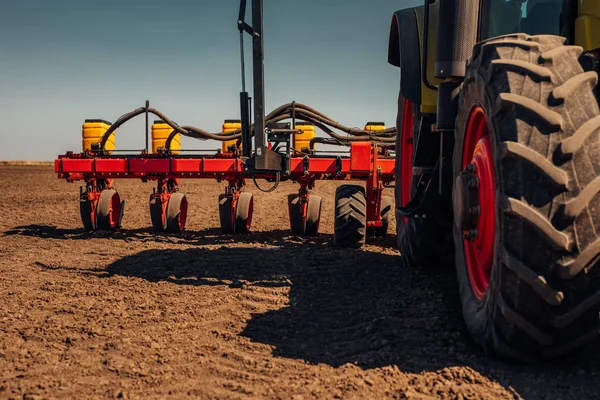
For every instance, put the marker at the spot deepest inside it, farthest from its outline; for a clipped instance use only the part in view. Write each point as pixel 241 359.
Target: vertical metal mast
pixel 244 98
pixel 265 159
pixel 258 71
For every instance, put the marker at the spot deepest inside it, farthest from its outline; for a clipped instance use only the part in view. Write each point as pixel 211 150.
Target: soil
pixel 132 314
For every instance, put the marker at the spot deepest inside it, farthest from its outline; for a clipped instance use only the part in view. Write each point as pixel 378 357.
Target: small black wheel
pixel 88 217
pixel 157 215
pixel 302 223
pixel 176 215
pixel 109 210
pixel 313 215
pixel 225 214
pixel 243 213
pixel 295 211
pixel 350 225
pixel 386 212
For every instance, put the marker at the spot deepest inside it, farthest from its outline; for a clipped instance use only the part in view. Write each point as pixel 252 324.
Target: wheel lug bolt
pixel 471 234
pixel 475 211
pixel 474 183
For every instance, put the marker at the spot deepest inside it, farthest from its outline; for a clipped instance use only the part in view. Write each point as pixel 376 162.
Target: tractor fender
pixel 404 51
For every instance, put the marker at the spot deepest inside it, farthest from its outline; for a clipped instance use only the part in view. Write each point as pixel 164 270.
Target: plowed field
pixel 131 314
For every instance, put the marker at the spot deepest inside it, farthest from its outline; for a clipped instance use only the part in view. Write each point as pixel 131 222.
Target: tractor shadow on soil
pixel 345 305
pixel 211 236
pixel 351 306
pixel 52 232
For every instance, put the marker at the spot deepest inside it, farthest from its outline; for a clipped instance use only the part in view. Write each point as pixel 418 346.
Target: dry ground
pixel 138 315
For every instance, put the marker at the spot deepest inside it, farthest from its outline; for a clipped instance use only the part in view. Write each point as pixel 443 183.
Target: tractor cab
pixel 534 17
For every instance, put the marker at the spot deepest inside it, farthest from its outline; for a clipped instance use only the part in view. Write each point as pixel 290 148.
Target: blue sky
pixel 63 61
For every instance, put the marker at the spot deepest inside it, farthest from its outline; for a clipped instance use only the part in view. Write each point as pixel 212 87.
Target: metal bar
pixel 243 58
pixel 242 14
pixel 258 74
pixel 285 131
pixel 147 122
pixel 211 167
pixel 246 124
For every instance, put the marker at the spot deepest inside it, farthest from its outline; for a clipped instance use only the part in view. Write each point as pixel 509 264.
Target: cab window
pixel 534 17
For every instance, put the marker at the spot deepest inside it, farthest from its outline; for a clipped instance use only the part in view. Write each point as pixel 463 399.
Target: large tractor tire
pixel 350 224
pixel 527 214
pixel 422 242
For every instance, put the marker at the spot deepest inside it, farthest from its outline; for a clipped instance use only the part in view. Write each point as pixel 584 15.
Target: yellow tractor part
pixel 302 140
pixel 231 125
pixel 429 96
pixel 160 132
pixel 375 126
pixel 587 26
pixel 92 132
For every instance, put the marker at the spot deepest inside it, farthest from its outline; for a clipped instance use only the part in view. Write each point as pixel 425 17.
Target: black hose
pixel 271 189
pixel 368 136
pixel 329 141
pixel 334 124
pixel 327 120
pixel 301 111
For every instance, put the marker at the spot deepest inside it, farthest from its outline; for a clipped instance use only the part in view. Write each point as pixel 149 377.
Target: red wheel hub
pixel 474 202
pixel 406 153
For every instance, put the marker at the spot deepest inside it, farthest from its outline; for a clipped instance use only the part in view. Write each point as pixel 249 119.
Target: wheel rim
pixel 479 250
pixel 406 152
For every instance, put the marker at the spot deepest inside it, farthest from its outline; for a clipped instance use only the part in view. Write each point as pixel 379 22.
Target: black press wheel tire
pixel 157 216
pixel 176 213
pixel 109 210
pixel 297 223
pixel 243 213
pixel 313 215
pixel 225 214
pixel 543 122
pixel 422 242
pixel 88 217
pixel 350 224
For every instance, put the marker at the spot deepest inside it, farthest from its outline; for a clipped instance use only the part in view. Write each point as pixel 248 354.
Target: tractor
pixel 498 164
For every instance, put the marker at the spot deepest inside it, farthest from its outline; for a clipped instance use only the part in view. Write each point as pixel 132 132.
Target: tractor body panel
pixel 406 51
pixel 587 26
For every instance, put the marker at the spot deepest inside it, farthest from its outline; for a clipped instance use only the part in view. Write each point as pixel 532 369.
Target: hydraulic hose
pixel 299 107
pixel 189 131
pixel 352 131
pixel 302 112
pixel 272 188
